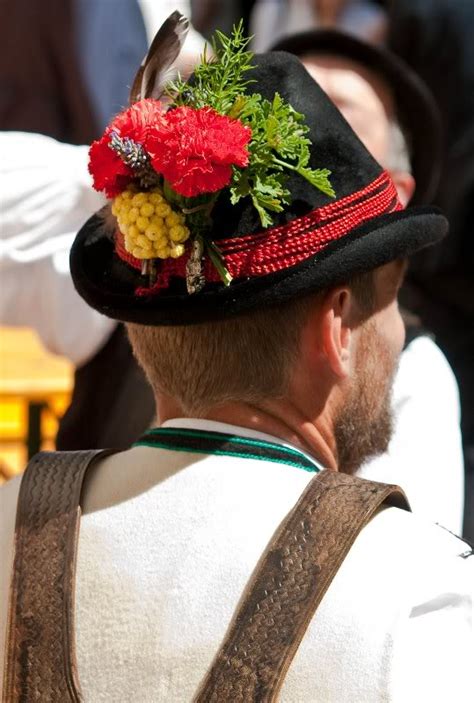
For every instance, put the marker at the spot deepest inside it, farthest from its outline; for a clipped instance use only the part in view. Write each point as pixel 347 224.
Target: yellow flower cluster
pixel 151 228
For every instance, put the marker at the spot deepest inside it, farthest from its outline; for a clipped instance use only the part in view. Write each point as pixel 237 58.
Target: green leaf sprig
pixel 278 145
pixel 219 79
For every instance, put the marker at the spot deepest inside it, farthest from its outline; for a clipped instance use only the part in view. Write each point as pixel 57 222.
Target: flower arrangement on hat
pixel 164 167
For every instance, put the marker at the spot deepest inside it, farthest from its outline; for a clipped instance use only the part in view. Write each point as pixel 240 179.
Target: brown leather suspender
pixel 40 663
pixel 288 584
pixel 277 606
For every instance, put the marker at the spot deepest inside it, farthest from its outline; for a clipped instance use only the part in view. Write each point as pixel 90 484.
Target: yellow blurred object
pixel 35 389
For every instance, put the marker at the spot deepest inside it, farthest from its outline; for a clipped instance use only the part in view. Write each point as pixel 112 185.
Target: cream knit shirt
pixel 167 543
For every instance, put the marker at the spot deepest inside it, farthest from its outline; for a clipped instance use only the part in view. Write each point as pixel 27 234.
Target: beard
pixel 364 425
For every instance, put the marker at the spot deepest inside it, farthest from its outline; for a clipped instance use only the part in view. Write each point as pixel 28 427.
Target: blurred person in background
pixel 390 108
pixel 42 88
pixel 46 194
pixel 272 19
pixel 121 395
pixel 59 78
pixel 435 38
pixel 108 69
pixel 209 15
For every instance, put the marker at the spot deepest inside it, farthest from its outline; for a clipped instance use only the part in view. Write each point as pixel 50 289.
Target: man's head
pixel 280 311
pixel 331 355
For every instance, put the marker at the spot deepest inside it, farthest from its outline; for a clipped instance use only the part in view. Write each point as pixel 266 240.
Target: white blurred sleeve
pixel 45 197
pixel 425 456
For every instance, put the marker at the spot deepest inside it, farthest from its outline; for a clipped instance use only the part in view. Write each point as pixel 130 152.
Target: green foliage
pixel 278 145
pixel 279 142
pixel 220 78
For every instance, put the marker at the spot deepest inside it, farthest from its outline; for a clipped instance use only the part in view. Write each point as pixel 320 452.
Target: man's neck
pixel 278 418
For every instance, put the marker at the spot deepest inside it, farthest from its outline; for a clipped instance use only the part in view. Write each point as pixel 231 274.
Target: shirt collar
pixel 227 428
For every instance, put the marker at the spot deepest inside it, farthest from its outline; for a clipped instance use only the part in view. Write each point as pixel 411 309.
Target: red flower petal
pixel 109 172
pixel 200 177
pixel 137 120
pixel 195 149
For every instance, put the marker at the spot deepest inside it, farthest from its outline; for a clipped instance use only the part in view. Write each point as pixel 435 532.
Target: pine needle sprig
pixel 279 143
pixel 219 79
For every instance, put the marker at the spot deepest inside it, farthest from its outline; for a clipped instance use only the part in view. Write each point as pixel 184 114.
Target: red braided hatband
pixel 279 248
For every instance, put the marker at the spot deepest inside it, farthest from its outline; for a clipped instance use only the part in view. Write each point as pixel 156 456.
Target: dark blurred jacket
pixel 41 87
pixel 435 37
pixel 42 90
pixel 112 402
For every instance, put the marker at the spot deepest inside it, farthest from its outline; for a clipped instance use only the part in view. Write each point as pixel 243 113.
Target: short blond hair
pixel 248 358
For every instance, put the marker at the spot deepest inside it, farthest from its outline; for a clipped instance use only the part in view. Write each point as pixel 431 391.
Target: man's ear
pixel 336 330
pixel 405 185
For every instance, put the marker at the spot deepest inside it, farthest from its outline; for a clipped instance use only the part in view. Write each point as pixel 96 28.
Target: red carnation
pixel 195 149
pixel 109 172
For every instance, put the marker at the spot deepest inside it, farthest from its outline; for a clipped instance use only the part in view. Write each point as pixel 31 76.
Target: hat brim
pixel 109 285
pixel 414 105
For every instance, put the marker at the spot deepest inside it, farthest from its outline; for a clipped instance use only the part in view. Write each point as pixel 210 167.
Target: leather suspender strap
pixel 275 610
pixel 288 584
pixel 41 662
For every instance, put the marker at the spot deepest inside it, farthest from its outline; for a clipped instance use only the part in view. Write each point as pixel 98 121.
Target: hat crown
pixel 334 146
pixel 323 231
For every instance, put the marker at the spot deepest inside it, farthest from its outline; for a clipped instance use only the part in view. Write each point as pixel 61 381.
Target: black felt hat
pixel 415 107
pixel 317 242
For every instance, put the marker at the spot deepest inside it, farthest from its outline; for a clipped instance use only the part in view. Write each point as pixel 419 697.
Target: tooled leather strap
pixel 288 584
pixel 40 663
